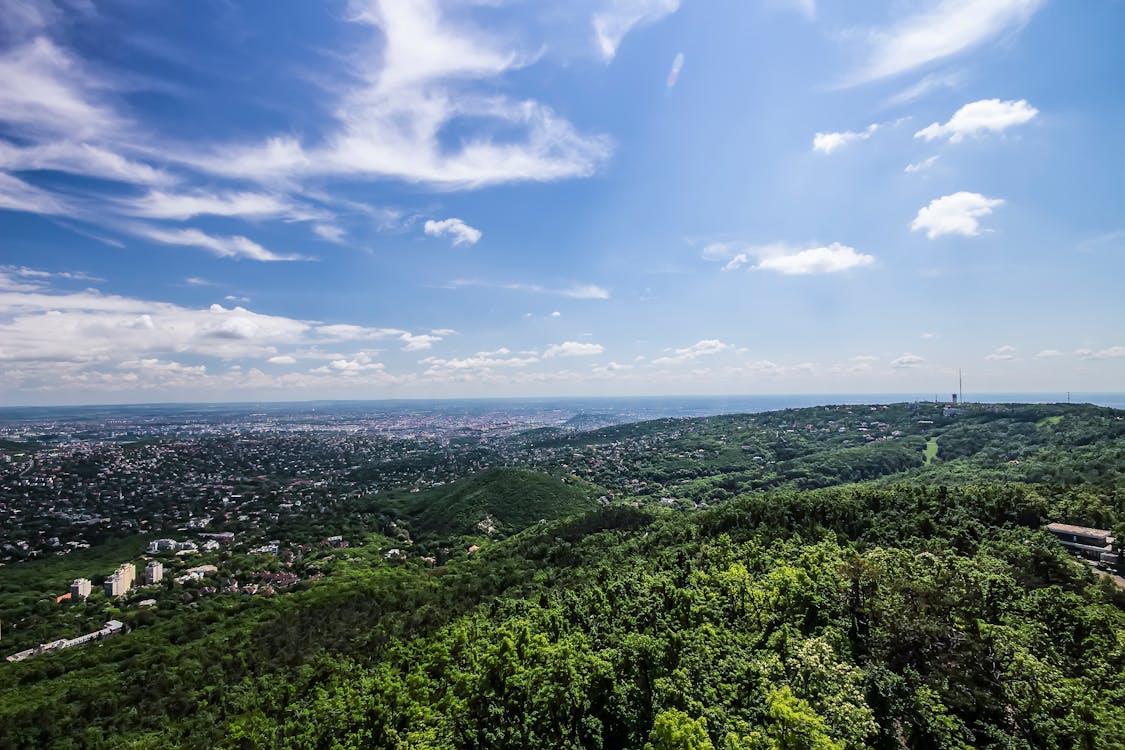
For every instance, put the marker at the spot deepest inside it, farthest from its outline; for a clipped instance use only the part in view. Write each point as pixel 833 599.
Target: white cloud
pixel 907 361
pixel 958 213
pixel 620 16
pixel 831 259
pixel 419 74
pixel 88 340
pixel 225 247
pixel 459 231
pixel 479 362
pixel 17 195
pixel 577 291
pixel 1048 354
pixel 414 342
pixel 360 363
pixel 786 259
pixel 983 116
pixel 701 348
pixel 158 204
pixel 736 262
pixel 80 158
pixel 930 82
pixel 330 232
pixel 721 250
pixel 556 314
pixel 1004 353
pixel 826 143
pixel 573 349
pixel 921 166
pixel 45 90
pixel 1111 352
pixel 943 29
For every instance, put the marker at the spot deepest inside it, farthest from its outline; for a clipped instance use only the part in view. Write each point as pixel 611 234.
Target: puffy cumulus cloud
pixel 46 334
pixel 701 348
pixel 618 17
pixel 826 143
pixel 958 213
pixel 460 232
pixel 937 31
pixel 983 116
pixel 907 361
pixel 573 349
pixel 786 259
pixel 480 362
pixel 831 259
pixel 415 342
pixel 360 363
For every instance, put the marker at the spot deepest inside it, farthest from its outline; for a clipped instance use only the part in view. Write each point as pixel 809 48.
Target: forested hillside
pixel 755 581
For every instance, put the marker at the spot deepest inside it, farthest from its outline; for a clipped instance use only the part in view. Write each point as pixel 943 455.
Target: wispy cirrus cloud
pixel 235 246
pixel 419 75
pixel 158 204
pixel 573 349
pixel 939 31
pixel 575 291
pixel 701 348
pixel 618 17
pixel 907 361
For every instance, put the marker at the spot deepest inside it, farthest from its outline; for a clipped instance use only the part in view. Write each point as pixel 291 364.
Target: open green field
pixel 931 450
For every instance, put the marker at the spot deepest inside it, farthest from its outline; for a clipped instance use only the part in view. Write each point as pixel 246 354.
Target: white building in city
pixel 121 580
pixel 154 571
pixel 80 588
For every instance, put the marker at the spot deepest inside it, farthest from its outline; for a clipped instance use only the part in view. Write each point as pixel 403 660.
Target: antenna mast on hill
pixel 960 393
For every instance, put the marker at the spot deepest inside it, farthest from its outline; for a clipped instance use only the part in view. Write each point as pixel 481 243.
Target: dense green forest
pixel 750 581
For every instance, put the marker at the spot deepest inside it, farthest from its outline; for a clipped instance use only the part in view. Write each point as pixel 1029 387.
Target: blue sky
pixel 224 201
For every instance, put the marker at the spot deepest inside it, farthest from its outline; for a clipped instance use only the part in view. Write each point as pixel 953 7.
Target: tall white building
pixel 80 588
pixel 121 580
pixel 154 572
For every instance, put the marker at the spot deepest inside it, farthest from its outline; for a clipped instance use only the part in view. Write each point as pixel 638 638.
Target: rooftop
pixel 1066 528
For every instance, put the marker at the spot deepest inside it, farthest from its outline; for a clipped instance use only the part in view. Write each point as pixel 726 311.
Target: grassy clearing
pixel 931 450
